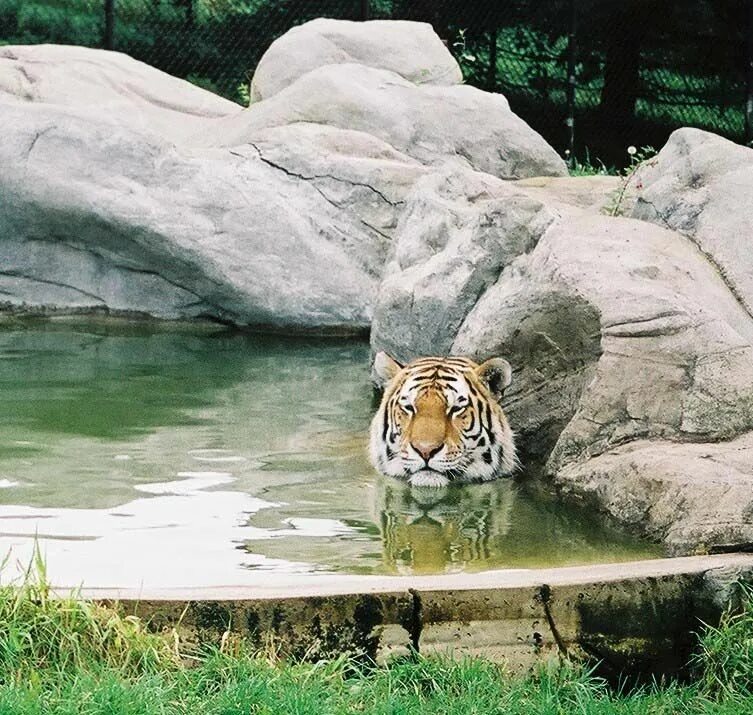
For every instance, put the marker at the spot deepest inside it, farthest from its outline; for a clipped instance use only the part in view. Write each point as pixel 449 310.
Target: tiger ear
pixel 496 374
pixel 385 368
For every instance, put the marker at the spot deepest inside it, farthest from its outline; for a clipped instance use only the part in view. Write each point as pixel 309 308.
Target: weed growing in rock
pixel 638 158
pixel 588 167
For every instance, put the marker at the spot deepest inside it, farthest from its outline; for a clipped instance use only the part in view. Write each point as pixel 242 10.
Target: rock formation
pixel 632 343
pixel 125 190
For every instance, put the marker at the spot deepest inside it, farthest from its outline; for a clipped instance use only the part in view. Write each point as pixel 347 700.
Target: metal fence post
pixel 365 9
pixel 189 14
pixel 108 39
pixel 491 80
pixel 749 73
pixel 571 57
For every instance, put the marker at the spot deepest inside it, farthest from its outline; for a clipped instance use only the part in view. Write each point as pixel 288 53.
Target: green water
pixel 142 455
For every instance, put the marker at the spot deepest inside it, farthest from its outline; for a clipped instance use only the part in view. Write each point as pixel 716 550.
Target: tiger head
pixel 440 420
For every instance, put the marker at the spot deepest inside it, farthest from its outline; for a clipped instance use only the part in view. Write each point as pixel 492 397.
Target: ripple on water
pixel 216 455
pixel 192 483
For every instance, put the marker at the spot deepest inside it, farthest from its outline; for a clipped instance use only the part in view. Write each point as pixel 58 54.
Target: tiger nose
pixel 427 449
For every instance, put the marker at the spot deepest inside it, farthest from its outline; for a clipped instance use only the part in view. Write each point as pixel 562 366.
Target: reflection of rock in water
pixel 428 530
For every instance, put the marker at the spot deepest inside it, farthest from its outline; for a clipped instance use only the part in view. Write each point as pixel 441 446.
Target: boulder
pixel 702 186
pixel 125 190
pixel 409 49
pixel 95 215
pixel 459 230
pixel 694 497
pixel 632 358
pixel 432 124
pixel 109 83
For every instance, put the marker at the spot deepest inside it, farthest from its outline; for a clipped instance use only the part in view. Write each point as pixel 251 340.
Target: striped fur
pixel 440 421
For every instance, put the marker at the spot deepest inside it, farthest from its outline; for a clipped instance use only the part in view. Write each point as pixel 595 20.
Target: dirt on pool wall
pixel 635 619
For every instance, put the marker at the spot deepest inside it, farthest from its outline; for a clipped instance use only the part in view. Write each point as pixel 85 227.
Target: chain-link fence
pixel 593 76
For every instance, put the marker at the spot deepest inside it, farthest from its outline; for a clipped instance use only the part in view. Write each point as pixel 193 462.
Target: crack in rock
pixel 37 136
pixel 313 177
pixel 59 284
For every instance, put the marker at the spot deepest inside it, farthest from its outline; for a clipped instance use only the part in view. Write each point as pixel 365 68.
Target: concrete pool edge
pixel 301 585
pixel 638 617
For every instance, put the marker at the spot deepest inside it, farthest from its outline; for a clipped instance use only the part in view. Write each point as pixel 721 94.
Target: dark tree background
pixel 642 68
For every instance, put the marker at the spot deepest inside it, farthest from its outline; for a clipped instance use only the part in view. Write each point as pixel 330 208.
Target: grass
pixel 590 167
pixel 66 656
pixel 41 635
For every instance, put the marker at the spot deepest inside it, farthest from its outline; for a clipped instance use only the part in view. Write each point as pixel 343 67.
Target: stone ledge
pixel 275 586
pixel 634 618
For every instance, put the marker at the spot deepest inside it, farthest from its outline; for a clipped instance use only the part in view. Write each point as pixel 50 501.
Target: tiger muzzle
pixel 427 449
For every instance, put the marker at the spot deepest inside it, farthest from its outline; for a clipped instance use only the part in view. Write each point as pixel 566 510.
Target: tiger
pixel 440 421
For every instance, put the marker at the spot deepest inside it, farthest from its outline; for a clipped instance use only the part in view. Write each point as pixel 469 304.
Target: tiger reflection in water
pixel 419 529
pixel 434 530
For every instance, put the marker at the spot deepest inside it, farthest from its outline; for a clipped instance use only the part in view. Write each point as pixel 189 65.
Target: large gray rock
pixel 109 83
pixel 432 124
pixel 693 497
pixel 126 190
pixel 633 359
pixel 702 186
pixel 97 216
pixel 410 49
pixel 459 230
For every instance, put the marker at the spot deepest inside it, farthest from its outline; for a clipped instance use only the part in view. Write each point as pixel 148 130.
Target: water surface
pixel 143 455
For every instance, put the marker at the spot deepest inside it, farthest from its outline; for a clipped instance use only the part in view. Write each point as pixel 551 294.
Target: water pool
pixel 144 455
